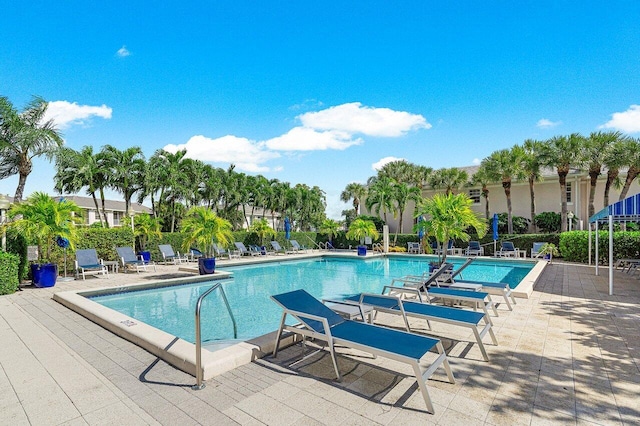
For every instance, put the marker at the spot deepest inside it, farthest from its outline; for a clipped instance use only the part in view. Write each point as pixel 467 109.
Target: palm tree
pixel 399 171
pixel 533 171
pixel 330 227
pixel 262 229
pixel 614 159
pixel 448 179
pixel 560 152
pixel 482 178
pixel 505 165
pixel 24 136
pixel 127 169
pixel 402 194
pixel 42 219
pixel 633 161
pixel 448 217
pixel 380 195
pixel 203 228
pixel 360 229
pixel 354 191
pixel 593 156
pixel 145 226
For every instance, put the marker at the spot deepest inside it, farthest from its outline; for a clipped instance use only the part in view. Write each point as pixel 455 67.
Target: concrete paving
pixel 568 355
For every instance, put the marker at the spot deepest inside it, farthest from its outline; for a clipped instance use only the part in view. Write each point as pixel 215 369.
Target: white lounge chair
pixel 477 322
pixel 242 249
pixel 277 248
pixel 130 260
pixel 87 263
pixel 474 249
pixel 535 250
pixel 507 249
pixel 296 247
pixel 319 322
pixel 168 255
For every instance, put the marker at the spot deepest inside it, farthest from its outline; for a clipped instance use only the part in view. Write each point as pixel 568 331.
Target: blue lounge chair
pixel 477 322
pixel 277 248
pixel 507 249
pixel 535 250
pixel 320 322
pixel 242 249
pixel 130 260
pixel 168 255
pixel 223 252
pixel 296 247
pixel 87 263
pixel 474 249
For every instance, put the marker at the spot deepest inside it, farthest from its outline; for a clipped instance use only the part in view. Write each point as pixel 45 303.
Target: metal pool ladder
pixel 199 382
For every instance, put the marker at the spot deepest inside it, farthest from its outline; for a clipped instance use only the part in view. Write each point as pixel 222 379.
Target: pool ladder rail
pixel 199 382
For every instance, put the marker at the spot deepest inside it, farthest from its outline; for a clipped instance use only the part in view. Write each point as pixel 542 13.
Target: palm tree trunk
pixel 532 194
pixel 631 175
pixel 507 191
pixel 173 214
pixel 592 191
pixel 562 178
pixel 611 177
pixel 95 202
pixel 20 189
pixel 104 209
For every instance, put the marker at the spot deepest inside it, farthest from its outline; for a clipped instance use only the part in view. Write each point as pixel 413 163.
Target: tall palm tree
pixel 399 170
pixel 448 217
pixel 23 137
pixel 402 194
pixel 450 179
pixel 380 195
pixel 533 171
pixel 127 169
pixel 505 165
pixel 482 178
pixel 633 161
pixel 593 155
pixel 614 159
pixel 560 152
pixel 354 191
pixel 76 170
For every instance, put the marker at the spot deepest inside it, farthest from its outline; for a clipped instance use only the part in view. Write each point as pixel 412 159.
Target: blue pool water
pixel 172 308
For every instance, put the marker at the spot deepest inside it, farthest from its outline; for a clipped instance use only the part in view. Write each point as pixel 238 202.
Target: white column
pixel 597 240
pixel 385 238
pixel 589 243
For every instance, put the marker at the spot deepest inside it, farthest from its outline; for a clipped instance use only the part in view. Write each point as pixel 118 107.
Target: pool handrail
pixel 199 382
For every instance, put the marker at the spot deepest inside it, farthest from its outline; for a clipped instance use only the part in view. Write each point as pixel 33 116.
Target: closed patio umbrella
pixel 494 226
pixel 287 228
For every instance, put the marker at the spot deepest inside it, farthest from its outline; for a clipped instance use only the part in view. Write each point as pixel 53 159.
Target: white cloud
pixel 66 113
pixel 306 139
pixel 123 52
pixel 476 161
pixel 545 123
pixel 386 160
pixel 354 118
pixel 627 121
pixel 246 154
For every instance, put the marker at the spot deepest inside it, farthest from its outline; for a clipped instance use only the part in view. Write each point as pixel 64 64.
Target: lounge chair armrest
pixel 341 302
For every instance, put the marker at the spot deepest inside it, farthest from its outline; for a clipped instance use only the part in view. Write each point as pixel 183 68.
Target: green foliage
pixel 520 224
pixel 17 244
pixel 574 245
pixel 203 227
pixel 262 229
pixel 360 229
pixel 330 228
pixel 548 221
pixel 9 265
pixel 375 219
pixel 145 226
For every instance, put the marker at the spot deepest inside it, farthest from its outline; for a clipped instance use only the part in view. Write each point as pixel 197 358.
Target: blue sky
pixel 320 92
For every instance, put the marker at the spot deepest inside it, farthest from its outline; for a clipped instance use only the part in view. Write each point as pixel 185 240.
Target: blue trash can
pixel 362 250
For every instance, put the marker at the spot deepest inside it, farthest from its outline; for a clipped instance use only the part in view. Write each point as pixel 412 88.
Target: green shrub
pixel 17 244
pixel 9 266
pixel 548 222
pixel 574 245
pixel 520 224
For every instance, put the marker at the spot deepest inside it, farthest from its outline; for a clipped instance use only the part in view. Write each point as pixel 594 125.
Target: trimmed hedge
pixel 17 244
pixel 574 245
pixel 9 266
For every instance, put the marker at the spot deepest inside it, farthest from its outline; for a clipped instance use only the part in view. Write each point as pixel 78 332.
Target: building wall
pixel 547 197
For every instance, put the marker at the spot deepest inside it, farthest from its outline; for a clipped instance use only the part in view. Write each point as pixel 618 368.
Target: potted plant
pixel 359 230
pixel 202 228
pixel 263 230
pixel 42 219
pixel 145 226
pixel 549 250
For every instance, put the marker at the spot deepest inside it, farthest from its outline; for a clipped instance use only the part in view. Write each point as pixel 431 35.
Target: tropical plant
pixel 330 228
pixel 402 194
pixel 126 169
pixel 593 156
pixel 24 136
pixel 482 178
pixel 262 229
pixel 505 165
pixel 360 229
pixel 560 152
pixel 633 161
pixel 42 219
pixel 548 222
pixel 354 191
pixel 520 224
pixel 448 217
pixel 532 169
pixel 450 180
pixel 145 226
pixel 614 159
pixel 549 249
pixel 202 228
pixel 380 195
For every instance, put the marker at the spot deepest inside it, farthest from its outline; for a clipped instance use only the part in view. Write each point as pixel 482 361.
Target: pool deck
pixel 569 354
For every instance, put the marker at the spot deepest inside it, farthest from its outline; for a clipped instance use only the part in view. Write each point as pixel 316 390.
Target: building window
pixel 117 218
pixel 569 195
pixel 474 194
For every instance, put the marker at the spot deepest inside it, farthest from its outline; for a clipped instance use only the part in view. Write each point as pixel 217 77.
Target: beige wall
pixel 547 195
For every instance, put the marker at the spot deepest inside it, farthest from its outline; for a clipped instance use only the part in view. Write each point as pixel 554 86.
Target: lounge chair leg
pixel 275 349
pixel 506 299
pixel 493 306
pixel 480 344
pixel 332 352
pixel 423 386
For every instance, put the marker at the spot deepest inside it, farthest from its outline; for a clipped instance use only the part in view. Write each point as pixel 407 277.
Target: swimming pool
pixel 171 309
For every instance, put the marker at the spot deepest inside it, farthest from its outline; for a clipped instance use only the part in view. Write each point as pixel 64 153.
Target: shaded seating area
pixel 319 322
pixel 168 255
pixel 130 260
pixel 87 262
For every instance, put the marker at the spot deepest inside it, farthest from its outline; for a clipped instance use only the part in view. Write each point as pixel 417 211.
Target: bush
pixel 548 222
pixel 17 244
pixel 9 266
pixel 574 245
pixel 397 249
pixel 520 224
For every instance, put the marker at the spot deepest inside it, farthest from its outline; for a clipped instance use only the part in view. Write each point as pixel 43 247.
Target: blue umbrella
pixel 420 230
pixel 287 228
pixel 494 224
